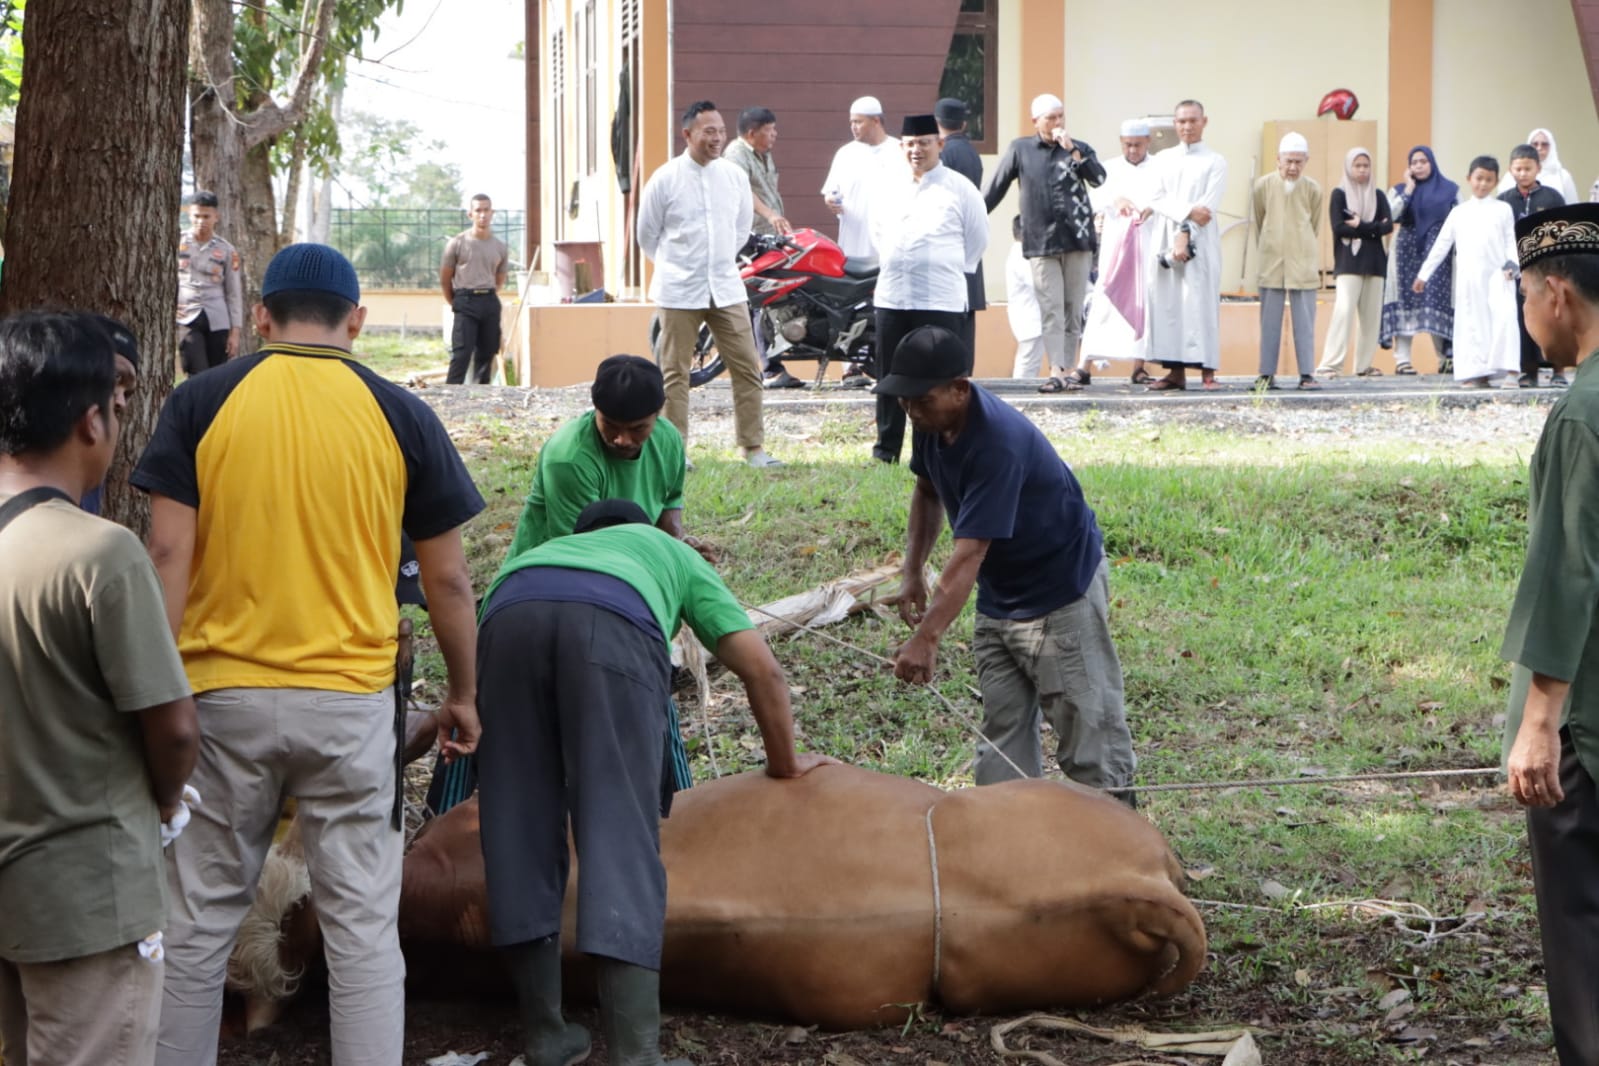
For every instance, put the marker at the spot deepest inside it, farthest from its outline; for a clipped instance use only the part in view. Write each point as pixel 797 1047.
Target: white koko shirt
pixel 929 235
pixel 692 221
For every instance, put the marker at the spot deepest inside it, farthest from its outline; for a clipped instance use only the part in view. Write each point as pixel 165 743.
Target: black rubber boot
pixel 630 1014
pixel 549 1039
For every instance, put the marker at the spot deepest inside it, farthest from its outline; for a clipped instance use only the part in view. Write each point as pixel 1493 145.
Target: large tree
pixel 95 186
pixel 262 75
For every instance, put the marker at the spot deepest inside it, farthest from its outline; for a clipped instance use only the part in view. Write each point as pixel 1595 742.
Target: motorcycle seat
pixel 861 266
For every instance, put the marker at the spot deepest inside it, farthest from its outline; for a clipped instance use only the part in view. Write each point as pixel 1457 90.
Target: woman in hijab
pixel 1360 220
pixel 1420 206
pixel 1551 172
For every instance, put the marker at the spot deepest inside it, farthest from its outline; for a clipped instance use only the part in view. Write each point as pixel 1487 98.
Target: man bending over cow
pixel 573 676
pixel 1028 540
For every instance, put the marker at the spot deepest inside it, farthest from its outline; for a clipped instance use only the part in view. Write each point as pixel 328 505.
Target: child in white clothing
pixel 1482 232
pixel 1021 308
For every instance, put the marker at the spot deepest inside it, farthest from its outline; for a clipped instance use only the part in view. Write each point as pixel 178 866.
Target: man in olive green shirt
pixel 1552 728
pixel 573 674
pixel 97 728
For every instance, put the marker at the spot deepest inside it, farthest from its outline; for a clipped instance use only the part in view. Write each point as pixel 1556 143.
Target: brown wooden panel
pixel 1588 29
pixel 807 62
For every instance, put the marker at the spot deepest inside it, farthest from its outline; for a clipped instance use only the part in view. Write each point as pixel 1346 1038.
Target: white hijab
pixel 1551 173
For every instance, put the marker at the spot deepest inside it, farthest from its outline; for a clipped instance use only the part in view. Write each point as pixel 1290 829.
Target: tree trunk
pixel 291 194
pixel 257 231
pixel 103 180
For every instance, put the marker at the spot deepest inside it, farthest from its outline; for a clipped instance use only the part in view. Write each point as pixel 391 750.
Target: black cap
pixel 1569 230
pixel 928 357
pixel 122 339
pixel 628 388
pixel 951 113
pixel 603 513
pixel 918 126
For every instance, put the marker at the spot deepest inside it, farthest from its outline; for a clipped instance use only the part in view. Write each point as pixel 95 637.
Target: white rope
pixel 938 903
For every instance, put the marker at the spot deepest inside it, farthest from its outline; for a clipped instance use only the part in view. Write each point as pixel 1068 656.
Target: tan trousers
pixel 730 326
pixel 334 752
pixel 1356 295
pixel 91 1011
pixel 1062 284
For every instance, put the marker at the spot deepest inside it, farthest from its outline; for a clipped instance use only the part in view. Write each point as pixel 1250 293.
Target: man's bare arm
pixel 451 608
pixel 746 654
pixel 171 745
pixel 172 532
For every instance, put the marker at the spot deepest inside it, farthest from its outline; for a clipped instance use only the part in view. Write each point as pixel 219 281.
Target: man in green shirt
pixel 573 676
pixel 1552 728
pixel 97 727
pixel 619 450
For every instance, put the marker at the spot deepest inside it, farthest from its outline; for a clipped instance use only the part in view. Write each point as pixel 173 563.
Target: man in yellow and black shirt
pixel 280 484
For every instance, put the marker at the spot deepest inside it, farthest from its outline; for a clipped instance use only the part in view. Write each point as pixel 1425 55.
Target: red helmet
pixel 1340 102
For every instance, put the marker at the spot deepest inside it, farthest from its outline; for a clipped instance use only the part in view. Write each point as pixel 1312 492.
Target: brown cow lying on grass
pixel 817 901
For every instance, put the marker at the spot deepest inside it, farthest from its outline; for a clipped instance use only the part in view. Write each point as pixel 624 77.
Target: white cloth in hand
pixel 173 827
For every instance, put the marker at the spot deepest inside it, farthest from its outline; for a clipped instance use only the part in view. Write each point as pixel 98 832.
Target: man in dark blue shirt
pixel 1028 540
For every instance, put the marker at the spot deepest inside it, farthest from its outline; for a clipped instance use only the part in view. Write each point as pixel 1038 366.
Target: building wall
pixel 1502 67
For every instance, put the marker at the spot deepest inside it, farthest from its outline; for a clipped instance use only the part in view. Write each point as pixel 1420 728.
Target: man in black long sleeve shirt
pixel 1526 197
pixel 959 156
pixel 1056 172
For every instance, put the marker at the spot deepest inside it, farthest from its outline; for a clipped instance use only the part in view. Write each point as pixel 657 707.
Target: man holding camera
pixel 1056 172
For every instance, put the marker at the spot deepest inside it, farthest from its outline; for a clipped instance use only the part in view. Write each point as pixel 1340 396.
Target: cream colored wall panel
pixel 1501 68
pixel 1248 63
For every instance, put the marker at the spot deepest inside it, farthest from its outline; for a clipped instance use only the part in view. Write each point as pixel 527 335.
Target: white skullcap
pixel 1044 103
pixel 1135 127
pixel 867 105
pixel 1293 142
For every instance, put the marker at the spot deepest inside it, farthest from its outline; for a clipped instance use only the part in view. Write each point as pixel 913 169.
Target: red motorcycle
pixel 808 301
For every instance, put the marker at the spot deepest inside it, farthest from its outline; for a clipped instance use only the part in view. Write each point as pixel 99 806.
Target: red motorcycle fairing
pixel 768 290
pixel 809 252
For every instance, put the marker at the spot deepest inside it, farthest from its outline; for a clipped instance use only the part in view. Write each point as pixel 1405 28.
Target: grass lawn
pixel 397 357
pixel 1282 609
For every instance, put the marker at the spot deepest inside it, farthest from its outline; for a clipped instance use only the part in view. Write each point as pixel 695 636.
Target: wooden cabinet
pixel 1330 139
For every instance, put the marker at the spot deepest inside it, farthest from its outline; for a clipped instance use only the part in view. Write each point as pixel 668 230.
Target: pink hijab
pixel 1359 197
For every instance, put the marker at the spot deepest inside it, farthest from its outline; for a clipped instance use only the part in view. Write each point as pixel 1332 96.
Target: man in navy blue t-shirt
pixel 1027 539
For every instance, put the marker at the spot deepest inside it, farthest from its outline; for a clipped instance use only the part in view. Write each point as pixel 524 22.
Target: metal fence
pixel 395 248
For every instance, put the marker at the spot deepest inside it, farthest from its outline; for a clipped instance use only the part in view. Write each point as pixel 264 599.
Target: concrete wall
pixel 1502 67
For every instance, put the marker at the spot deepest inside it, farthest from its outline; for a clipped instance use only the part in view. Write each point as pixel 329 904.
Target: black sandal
pixel 1077 379
pixel 1052 385
pixel 1141 377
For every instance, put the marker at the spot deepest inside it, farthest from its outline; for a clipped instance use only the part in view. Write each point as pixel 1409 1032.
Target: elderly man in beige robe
pixel 1287 211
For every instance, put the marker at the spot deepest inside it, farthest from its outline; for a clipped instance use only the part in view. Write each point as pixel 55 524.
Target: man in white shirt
pixel 1121 204
pixel 694 216
pixel 855 172
pixel 1185 293
pixel 930 229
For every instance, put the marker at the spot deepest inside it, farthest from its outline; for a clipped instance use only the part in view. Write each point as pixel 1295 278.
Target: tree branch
pixel 270 119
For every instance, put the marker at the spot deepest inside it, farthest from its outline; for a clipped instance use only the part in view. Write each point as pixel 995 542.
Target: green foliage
pixel 10 53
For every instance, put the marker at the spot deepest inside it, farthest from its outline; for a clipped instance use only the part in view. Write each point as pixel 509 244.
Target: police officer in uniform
pixel 210 294
pixel 472 274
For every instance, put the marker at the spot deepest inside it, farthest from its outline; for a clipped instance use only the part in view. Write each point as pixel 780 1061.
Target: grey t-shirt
pixel 84 640
pixel 477 263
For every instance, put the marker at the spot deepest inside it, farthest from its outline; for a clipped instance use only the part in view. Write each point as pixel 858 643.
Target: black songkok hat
pixel 918 126
pixel 628 388
pixel 1569 230
pixel 951 112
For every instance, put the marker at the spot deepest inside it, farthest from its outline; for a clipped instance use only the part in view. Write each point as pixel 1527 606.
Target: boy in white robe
pixel 1482 232
pixel 1021 309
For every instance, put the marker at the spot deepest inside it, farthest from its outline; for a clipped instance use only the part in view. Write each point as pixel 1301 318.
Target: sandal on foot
pixel 1308 382
pixel 1166 385
pixel 1264 383
pixel 1141 377
pixel 1053 385
pixel 1078 379
pixel 1405 369
pixel 1370 372
pixel 1210 385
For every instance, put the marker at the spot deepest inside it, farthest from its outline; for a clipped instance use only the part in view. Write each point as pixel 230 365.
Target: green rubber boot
pixel 551 1040
pixel 630 1014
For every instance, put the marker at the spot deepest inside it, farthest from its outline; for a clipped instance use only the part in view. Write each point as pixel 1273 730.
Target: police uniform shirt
pixel 208 280
pixel 477 262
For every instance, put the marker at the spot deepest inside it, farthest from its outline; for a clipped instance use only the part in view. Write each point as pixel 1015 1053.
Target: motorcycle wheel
pixel 707 361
